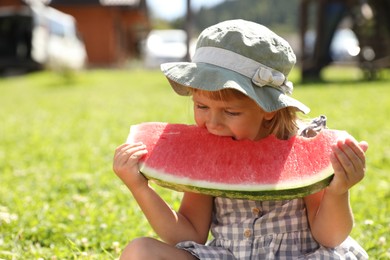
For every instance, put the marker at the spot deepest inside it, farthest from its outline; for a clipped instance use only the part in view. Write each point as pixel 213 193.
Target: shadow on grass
pixel 48 78
pixel 345 75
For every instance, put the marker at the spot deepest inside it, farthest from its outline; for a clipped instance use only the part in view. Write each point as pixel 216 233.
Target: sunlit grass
pixel 59 197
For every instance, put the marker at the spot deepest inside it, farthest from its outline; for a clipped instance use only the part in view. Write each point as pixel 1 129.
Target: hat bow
pixel 265 76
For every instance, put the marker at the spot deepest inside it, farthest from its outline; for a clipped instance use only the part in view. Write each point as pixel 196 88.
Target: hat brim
pixel 204 76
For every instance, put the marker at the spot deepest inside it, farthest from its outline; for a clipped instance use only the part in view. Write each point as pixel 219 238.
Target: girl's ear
pixel 269 115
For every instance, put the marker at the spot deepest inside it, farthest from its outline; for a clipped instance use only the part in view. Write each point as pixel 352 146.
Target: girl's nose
pixel 214 121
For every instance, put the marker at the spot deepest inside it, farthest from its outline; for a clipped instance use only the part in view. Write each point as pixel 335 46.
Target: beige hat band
pixel 260 74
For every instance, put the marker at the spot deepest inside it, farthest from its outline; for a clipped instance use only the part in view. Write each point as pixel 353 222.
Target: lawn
pixel 59 198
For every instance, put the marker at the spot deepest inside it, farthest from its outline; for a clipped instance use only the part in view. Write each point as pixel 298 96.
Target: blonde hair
pixel 284 123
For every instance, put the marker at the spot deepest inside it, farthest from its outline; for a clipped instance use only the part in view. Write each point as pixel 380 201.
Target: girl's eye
pixel 232 113
pixel 202 107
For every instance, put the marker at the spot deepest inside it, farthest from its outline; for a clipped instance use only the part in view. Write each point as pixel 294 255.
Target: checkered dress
pixel 244 229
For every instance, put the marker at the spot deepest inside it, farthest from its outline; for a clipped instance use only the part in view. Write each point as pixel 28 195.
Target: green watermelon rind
pixel 301 188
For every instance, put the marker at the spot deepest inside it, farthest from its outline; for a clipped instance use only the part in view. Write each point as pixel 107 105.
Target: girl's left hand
pixel 349 165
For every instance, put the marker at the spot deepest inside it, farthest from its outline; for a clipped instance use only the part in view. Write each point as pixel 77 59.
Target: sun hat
pixel 240 55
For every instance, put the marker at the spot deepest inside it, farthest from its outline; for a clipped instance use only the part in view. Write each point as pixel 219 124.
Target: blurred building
pixel 111 29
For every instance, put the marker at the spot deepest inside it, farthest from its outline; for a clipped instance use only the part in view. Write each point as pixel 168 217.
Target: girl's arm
pixel 193 219
pixel 329 211
pixel 190 223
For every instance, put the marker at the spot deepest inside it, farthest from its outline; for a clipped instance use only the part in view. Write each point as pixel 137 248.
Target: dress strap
pixel 315 126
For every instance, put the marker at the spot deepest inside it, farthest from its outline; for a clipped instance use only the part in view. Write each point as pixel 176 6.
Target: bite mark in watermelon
pixel 189 158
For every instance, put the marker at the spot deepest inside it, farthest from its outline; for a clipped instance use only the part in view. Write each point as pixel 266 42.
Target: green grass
pixel 59 198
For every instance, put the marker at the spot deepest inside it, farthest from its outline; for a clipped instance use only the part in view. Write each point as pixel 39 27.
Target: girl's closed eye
pixel 232 113
pixel 201 106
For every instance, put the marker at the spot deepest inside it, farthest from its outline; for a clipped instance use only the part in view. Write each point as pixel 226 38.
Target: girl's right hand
pixel 125 164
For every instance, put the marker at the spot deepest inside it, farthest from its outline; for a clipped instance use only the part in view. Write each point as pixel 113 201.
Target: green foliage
pixel 271 13
pixel 59 198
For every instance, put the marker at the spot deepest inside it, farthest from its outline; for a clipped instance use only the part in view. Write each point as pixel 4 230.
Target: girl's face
pixel 241 118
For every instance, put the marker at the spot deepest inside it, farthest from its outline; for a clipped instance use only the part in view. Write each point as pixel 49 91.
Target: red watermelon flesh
pixel 189 158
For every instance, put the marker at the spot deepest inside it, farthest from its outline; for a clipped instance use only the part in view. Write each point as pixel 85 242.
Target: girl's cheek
pixel 198 119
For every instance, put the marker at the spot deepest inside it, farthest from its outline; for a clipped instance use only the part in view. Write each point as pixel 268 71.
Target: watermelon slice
pixel 188 158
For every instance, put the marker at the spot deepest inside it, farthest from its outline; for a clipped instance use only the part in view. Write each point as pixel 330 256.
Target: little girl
pixel 238 82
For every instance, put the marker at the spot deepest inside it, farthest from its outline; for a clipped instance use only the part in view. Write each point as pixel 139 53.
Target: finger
pixel 123 152
pixel 355 153
pixel 352 159
pixel 138 154
pixel 344 177
pixel 342 154
pixel 364 146
pixel 337 166
pixel 128 145
pixel 125 148
pixel 128 157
